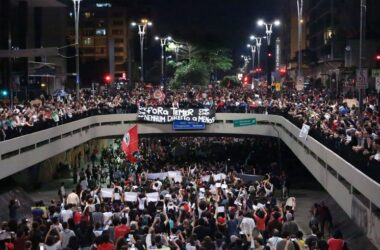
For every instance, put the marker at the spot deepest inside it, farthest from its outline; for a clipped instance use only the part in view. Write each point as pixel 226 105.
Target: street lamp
pixel 258 45
pixel 246 60
pixel 76 20
pixel 253 51
pixel 300 21
pixel 268 31
pixel 268 28
pixel 141 31
pixel 163 42
pixel 361 88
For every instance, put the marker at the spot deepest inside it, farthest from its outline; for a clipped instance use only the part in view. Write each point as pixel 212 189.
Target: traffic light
pixel 4 93
pixel 258 70
pixel 108 79
pixel 247 80
pixel 282 72
pixel 269 54
pixel 377 59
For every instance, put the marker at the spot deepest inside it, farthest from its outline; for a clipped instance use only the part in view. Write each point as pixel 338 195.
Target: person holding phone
pixel 53 240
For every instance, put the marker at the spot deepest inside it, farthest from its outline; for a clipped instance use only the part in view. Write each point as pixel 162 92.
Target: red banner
pixel 130 144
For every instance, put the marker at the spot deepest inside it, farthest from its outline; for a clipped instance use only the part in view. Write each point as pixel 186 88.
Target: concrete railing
pixel 353 190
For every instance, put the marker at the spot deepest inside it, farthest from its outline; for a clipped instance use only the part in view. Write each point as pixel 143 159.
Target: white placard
pixel 206 178
pixel 218 177
pixel 377 81
pixel 176 175
pixel 300 83
pixel 153 197
pixel 218 184
pixel 220 210
pixel 130 196
pixel 362 79
pixel 304 131
pixel 107 192
pixel 154 176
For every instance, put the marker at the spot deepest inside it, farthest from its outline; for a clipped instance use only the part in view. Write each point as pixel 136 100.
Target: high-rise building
pixel 103 29
pixel 29 24
pixel 333 36
pixel 289 33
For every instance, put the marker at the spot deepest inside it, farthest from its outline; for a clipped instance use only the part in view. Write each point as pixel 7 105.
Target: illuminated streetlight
pixel 257 39
pixel 246 61
pixel 268 28
pixel 268 31
pixel 163 42
pixel 144 23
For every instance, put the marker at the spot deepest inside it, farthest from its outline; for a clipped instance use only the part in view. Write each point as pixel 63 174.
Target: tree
pixel 220 59
pixel 197 65
pixel 194 73
pixel 230 81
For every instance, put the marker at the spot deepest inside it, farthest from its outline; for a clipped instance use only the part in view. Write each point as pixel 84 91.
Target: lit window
pixel 328 35
pixel 103 5
pixel 87 14
pixel 101 32
pixel 87 41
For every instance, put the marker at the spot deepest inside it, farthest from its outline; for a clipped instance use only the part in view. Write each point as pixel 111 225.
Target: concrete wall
pixel 48 169
pixel 344 182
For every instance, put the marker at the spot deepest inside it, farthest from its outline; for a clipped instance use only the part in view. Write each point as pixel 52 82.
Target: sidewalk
pixel 306 198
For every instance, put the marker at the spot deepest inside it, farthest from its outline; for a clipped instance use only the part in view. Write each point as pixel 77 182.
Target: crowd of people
pixel 334 122
pixel 207 205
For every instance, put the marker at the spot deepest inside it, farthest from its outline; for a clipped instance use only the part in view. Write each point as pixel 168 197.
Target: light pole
pixel 246 60
pixel 268 28
pixel 253 51
pixel 300 21
pixel 258 46
pixel 363 10
pixel 163 42
pixel 142 30
pixel 268 31
pixel 76 20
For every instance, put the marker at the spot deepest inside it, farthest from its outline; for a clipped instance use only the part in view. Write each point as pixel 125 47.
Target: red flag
pixel 130 144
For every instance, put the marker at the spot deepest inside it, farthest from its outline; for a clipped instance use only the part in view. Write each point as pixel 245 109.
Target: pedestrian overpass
pixel 356 193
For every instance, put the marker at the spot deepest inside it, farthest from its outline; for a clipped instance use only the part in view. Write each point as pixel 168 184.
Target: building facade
pixel 103 35
pixel 27 24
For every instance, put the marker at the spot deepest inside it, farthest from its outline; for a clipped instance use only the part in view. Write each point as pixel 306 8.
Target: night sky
pixel 210 23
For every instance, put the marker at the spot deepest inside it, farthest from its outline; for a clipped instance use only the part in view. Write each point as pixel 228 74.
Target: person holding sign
pixel 117 194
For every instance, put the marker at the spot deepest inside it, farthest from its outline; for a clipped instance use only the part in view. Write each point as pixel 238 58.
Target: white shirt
pixel 84 184
pixel 66 215
pixel 272 241
pixel 141 203
pixel 66 234
pixel 247 225
pixel 56 246
pixel 63 191
pixel 106 217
